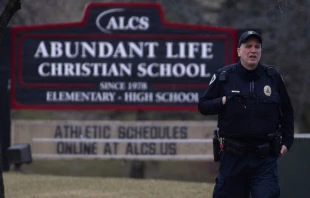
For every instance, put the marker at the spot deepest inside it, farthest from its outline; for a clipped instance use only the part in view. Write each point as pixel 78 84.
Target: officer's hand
pixel 283 151
pixel 224 100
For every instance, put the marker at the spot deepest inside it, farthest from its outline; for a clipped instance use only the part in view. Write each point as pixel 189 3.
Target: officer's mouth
pixel 253 57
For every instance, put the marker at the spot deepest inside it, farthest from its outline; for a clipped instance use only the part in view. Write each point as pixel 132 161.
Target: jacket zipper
pixel 252 89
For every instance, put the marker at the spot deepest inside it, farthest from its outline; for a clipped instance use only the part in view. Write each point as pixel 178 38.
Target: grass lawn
pixel 42 186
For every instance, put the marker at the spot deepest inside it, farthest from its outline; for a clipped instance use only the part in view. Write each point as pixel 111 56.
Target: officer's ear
pixel 238 51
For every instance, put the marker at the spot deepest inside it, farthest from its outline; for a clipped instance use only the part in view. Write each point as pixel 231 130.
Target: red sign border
pixel 15 30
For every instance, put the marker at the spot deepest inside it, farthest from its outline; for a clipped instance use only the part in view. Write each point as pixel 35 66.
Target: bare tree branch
pixel 10 9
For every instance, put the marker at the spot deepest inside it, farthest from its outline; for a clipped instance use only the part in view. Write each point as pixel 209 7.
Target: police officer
pixel 253 108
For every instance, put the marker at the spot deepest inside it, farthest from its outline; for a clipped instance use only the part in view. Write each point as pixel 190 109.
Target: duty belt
pixel 241 149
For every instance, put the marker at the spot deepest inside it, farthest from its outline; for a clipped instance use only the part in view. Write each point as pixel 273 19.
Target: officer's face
pixel 250 53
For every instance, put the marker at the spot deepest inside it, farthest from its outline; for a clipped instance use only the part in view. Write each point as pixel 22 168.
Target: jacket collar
pixel 250 75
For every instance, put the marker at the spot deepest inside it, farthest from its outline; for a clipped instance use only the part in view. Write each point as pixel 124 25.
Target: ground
pixel 19 185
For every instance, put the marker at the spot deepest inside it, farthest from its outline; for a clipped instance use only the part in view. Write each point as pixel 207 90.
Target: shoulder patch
pixel 271 71
pixel 212 79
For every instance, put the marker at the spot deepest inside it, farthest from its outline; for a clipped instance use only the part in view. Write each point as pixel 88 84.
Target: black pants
pixel 239 176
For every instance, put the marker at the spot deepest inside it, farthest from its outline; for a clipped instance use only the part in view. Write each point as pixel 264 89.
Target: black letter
pixel 115 147
pixel 58 132
pixel 60 148
pixel 184 132
pixel 129 149
pixel 121 132
pixel 107 149
pixel 172 149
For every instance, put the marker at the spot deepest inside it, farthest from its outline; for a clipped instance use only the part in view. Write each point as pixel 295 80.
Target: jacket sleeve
pixel 287 118
pixel 210 103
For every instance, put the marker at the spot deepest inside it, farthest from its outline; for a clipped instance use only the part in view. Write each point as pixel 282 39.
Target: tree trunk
pixel 10 9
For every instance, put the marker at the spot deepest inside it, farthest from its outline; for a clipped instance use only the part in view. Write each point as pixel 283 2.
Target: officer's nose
pixel 253 50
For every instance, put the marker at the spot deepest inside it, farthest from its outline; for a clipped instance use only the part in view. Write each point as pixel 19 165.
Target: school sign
pixel 121 57
pixel 144 140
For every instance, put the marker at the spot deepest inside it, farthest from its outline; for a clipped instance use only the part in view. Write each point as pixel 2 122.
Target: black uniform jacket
pixel 257 103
